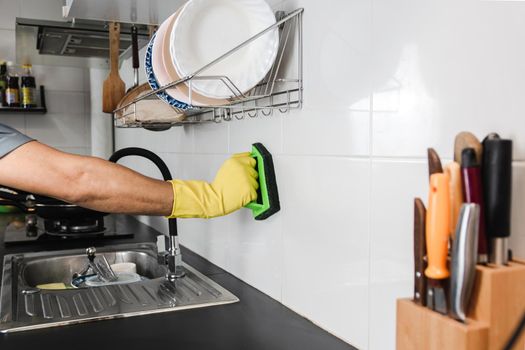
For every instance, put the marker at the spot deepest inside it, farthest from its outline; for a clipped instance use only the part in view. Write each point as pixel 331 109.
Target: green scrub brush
pixel 267 202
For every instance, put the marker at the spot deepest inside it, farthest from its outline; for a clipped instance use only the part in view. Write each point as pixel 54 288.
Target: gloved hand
pixel 235 185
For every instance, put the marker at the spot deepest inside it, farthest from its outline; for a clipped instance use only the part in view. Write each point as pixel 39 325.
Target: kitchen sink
pixel 23 306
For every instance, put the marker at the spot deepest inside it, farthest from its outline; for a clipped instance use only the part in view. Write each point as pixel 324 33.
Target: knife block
pixel 497 305
pixel 419 328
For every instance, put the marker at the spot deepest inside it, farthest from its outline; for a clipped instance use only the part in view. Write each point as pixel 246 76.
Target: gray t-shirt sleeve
pixel 11 139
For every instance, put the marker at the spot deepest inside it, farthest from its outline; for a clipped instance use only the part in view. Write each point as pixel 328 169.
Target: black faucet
pixel 172 256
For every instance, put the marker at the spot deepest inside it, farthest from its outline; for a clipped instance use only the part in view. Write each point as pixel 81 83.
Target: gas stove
pixel 30 228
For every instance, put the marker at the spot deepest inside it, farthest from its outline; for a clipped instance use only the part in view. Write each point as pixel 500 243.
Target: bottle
pixel 12 91
pixel 3 83
pixel 28 87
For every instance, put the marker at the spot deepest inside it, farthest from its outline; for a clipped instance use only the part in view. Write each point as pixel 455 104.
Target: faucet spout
pixel 171 256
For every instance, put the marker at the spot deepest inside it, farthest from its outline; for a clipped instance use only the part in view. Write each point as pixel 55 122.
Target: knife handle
pixel 463 260
pixel 473 192
pixel 453 170
pixel 497 177
pixel 420 281
pixel 437 227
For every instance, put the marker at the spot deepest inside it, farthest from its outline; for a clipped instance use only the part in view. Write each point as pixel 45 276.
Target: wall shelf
pixel 277 92
pixel 42 109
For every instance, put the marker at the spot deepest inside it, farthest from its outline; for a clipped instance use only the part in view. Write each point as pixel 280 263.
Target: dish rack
pixel 276 92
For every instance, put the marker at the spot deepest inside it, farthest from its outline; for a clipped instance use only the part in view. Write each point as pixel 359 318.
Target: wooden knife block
pixel 497 305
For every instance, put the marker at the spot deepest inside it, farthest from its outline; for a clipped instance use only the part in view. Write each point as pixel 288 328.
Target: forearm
pixel 87 181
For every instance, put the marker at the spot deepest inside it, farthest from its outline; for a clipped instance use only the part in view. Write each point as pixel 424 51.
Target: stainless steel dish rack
pixel 276 92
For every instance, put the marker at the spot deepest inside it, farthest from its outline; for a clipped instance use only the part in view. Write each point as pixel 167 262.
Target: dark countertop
pixel 256 322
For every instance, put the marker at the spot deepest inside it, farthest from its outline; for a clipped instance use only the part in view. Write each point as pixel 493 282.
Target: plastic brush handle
pixel 437 227
pixel 262 203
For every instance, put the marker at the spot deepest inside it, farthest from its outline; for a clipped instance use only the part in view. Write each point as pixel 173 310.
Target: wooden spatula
pixel 464 140
pixel 114 88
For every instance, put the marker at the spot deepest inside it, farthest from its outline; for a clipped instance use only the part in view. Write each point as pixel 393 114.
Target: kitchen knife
pixel 497 177
pixel 473 193
pixel 420 281
pixel 453 170
pixel 463 260
pixel 437 235
pixel 464 140
pixel 434 162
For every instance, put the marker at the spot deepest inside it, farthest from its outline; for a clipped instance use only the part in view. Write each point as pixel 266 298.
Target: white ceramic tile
pixel 267 130
pixel 177 139
pixel 441 67
pixel 517 239
pixel 57 78
pixel 336 51
pixel 316 131
pixel 58 130
pixel 10 9
pixel 211 138
pixel 255 251
pixel 383 296
pixel 7 45
pixel 325 210
pixel 394 186
pixel 63 102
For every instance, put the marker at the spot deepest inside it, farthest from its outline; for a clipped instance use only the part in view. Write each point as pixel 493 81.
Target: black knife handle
pixel 497 186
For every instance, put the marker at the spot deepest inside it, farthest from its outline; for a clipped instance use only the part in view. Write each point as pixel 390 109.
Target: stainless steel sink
pixel 23 306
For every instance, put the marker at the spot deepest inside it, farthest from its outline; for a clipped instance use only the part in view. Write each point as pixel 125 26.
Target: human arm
pixel 100 185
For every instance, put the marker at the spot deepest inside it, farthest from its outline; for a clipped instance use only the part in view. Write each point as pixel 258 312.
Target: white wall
pixel 67 125
pixel 384 80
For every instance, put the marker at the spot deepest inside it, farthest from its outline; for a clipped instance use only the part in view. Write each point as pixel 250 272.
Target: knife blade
pixel 497 187
pixel 434 162
pixel 420 281
pixel 473 192
pixel 453 170
pixel 463 260
pixel 437 235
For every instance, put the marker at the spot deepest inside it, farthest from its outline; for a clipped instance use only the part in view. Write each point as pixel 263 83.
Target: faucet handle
pixel 91 251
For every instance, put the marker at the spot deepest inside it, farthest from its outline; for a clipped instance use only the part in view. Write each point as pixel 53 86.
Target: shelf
pixel 278 92
pixel 42 109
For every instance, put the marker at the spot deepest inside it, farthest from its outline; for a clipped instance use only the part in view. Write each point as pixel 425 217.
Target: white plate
pixel 206 29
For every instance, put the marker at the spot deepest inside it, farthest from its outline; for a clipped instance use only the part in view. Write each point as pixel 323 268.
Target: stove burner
pixel 76 226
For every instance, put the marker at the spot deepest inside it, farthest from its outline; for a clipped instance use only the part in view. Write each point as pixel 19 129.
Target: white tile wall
pixel 67 125
pixel 384 80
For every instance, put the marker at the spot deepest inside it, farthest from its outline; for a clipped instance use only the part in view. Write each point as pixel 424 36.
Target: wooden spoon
pixel 114 88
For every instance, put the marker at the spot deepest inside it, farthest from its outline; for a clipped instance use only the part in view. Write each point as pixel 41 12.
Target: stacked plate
pixel 192 38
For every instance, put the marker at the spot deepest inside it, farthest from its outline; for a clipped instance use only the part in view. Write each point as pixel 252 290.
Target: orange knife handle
pixel 437 227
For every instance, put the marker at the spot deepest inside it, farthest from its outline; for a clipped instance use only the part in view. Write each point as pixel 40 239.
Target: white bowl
pixel 206 29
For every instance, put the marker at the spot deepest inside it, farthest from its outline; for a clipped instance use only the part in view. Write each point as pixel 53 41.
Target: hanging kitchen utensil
pixel 114 88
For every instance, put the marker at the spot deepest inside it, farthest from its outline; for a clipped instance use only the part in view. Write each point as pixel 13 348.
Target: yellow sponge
pixel 55 286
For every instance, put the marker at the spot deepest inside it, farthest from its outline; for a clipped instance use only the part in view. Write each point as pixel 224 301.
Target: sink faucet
pixel 168 248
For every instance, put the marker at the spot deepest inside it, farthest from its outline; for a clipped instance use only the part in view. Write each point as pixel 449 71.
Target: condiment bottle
pixel 3 83
pixel 12 96
pixel 28 87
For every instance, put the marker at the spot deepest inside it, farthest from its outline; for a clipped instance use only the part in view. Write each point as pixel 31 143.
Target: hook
pixel 255 114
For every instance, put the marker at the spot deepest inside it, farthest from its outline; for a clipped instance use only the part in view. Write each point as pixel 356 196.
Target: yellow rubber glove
pixel 235 185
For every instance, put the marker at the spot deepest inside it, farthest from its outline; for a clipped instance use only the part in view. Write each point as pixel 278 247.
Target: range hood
pixel 76 43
